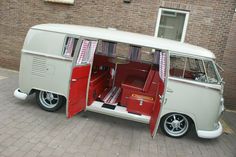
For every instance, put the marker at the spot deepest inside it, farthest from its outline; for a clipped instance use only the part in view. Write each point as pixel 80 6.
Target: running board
pixel 118 111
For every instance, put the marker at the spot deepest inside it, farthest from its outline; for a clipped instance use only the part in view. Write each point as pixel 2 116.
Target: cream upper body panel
pixel 42 65
pixel 126 37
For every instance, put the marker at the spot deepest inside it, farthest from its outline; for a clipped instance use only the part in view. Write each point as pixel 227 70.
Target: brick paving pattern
pixel 26 130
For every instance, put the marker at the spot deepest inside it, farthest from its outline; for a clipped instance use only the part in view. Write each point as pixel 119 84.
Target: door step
pixel 111 96
pixel 117 111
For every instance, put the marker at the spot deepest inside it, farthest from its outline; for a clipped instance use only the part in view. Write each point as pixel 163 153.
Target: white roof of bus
pixel 128 37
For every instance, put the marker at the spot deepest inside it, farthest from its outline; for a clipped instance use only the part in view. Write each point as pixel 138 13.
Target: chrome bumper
pixel 18 94
pixel 211 134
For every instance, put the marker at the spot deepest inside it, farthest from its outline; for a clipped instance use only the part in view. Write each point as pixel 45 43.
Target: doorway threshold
pixel 117 111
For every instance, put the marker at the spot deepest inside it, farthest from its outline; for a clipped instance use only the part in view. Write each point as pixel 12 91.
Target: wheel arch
pixel 34 90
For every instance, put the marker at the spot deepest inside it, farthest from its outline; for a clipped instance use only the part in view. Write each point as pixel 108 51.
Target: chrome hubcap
pixel 49 100
pixel 176 125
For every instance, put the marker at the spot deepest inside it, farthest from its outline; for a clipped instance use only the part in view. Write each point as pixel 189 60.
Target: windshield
pixel 193 69
pixel 211 72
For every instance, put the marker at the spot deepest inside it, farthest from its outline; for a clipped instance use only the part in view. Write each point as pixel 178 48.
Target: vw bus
pixel 127 75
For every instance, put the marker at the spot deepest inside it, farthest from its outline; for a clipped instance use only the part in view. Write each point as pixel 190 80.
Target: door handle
pixel 170 90
pixel 73 80
pixel 163 100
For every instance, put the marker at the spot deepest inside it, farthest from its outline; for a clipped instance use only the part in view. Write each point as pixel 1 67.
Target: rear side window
pixel 69 47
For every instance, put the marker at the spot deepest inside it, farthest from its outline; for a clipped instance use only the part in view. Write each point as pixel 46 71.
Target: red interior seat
pixel 139 84
pixel 134 85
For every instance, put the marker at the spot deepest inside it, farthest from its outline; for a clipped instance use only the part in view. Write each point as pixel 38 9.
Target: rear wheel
pixel 175 125
pixel 49 101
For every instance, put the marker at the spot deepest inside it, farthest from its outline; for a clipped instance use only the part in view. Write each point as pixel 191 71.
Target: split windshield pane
pixel 211 73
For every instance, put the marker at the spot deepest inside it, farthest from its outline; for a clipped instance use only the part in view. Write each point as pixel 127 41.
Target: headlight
pixel 222 100
pixel 222 107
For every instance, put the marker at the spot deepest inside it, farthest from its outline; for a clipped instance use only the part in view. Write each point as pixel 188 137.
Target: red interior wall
pixel 136 69
pixel 100 60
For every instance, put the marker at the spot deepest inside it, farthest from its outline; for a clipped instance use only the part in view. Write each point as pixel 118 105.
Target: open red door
pixel 162 59
pixel 78 89
pixel 79 78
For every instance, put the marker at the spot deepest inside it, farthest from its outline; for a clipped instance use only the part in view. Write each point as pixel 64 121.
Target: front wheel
pixel 49 101
pixel 175 125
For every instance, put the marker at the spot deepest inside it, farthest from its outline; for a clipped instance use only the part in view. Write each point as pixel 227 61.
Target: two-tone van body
pixel 122 74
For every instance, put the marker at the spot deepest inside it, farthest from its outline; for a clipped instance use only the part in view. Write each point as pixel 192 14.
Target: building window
pixel 171 24
pixel 61 1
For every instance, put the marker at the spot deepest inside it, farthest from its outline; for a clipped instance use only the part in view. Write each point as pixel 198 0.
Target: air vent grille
pixel 39 66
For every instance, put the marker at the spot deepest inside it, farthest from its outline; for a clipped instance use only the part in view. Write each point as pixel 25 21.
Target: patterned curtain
pixel 69 47
pixel 87 51
pixel 156 57
pixel 134 53
pixel 108 48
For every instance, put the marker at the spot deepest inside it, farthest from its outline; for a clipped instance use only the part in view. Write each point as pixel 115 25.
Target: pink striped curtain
pixel 87 51
pixel 69 47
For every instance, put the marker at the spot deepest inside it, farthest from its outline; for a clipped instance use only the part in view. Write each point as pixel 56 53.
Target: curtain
pixel 134 53
pixel 108 48
pixel 69 47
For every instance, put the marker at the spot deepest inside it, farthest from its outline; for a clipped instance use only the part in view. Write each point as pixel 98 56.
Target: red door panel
pixel 156 110
pixel 162 81
pixel 78 90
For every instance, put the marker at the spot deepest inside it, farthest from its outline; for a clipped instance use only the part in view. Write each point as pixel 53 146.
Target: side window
pixel 187 68
pixel 69 47
pixel 211 73
pixel 195 70
pixel 177 66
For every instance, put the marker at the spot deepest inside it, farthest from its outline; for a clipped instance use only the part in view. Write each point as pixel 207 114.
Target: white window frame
pixel 177 11
pixel 61 1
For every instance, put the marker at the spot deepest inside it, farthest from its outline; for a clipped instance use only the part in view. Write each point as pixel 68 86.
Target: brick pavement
pixel 26 130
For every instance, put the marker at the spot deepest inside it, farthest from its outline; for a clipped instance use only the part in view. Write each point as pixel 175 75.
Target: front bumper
pixel 211 134
pixel 18 94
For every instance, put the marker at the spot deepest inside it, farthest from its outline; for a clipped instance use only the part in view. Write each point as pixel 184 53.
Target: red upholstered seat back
pixel 149 79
